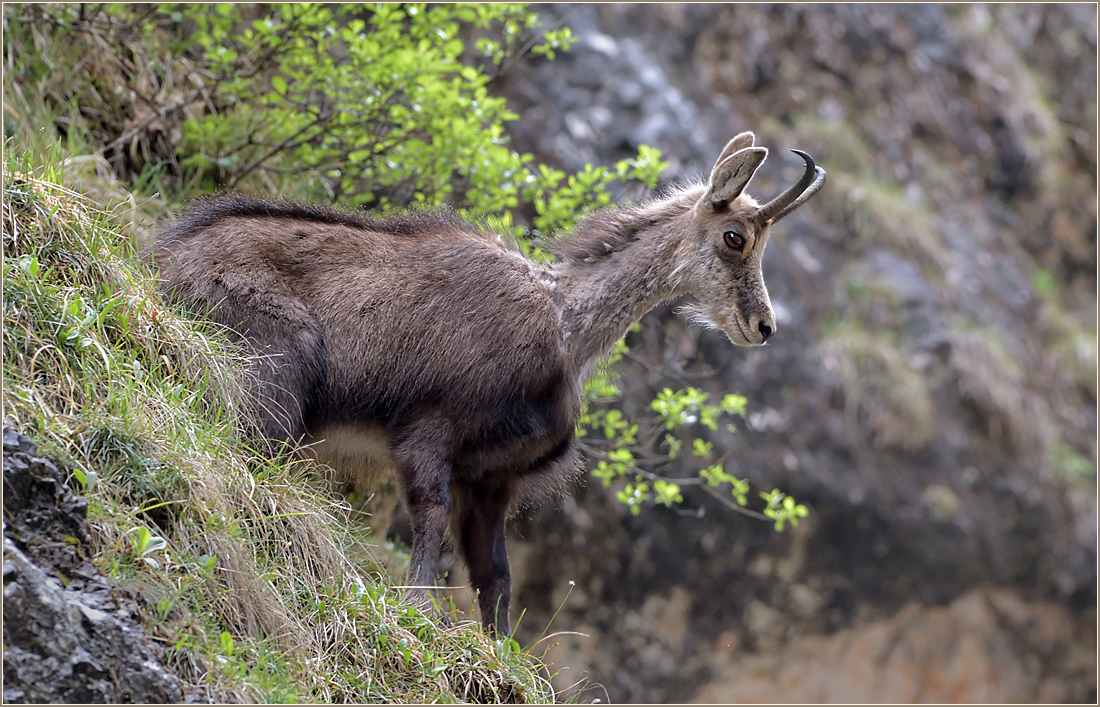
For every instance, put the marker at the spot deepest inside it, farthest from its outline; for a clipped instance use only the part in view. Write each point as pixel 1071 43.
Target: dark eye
pixel 734 240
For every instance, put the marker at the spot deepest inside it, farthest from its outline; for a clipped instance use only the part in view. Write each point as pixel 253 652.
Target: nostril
pixel 765 330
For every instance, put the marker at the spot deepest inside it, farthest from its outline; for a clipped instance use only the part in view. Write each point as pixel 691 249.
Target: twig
pixel 694 481
pixel 731 505
pixel 161 113
pixel 277 148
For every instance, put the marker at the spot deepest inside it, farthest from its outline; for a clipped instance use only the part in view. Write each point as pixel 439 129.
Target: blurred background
pixel 930 392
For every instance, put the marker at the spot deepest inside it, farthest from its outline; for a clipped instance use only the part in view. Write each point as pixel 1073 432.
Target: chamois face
pixel 729 281
pixel 730 287
pixel 733 231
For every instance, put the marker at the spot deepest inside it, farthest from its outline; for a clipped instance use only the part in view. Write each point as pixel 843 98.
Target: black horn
pixel 797 195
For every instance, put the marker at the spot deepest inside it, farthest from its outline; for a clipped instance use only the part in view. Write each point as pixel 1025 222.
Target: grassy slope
pixel 250 566
pixel 260 581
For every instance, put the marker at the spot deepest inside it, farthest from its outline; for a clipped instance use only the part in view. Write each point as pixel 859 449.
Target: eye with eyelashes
pixel 734 240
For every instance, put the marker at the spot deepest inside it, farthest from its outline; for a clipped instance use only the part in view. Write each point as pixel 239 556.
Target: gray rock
pixel 69 636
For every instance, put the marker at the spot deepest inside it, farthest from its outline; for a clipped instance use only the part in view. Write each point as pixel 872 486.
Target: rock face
pixel 69 636
pixel 930 392
pixel 988 646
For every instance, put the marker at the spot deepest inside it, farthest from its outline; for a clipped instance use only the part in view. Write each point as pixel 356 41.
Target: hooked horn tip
pixel 809 160
pixel 812 179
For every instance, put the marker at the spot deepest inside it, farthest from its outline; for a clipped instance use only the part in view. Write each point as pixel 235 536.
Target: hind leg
pixel 483 509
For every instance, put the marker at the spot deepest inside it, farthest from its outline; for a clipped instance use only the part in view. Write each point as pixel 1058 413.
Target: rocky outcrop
pixel 930 392
pixel 69 635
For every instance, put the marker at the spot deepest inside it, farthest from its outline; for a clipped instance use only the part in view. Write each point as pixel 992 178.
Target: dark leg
pixel 483 510
pixel 427 480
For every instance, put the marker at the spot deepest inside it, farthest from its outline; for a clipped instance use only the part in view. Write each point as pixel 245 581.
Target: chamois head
pixel 733 231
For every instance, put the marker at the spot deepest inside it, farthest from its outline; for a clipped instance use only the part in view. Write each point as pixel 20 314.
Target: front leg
pixel 427 481
pixel 482 510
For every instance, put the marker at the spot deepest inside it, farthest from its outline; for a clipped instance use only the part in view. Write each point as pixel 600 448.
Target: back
pixel 374 319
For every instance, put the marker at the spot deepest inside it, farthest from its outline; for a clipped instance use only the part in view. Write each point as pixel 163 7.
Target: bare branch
pixel 278 148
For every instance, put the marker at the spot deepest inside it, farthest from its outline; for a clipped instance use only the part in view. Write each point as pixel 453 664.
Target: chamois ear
pixel 732 174
pixel 745 139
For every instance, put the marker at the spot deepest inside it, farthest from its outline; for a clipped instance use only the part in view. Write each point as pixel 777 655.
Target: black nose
pixel 765 330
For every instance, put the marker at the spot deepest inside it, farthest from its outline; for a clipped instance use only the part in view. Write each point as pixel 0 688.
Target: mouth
pixel 745 340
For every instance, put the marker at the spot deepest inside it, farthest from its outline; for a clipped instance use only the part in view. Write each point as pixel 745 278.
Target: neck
pixel 617 265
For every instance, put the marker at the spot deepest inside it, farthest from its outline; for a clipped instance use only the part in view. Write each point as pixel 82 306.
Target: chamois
pixel 424 344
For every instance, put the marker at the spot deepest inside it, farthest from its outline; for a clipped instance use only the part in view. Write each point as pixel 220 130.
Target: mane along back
pixel 600 234
pixel 611 229
pixel 206 211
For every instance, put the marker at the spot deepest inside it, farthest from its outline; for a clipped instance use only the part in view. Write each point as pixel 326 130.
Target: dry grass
pixel 864 195
pixel 880 215
pixel 992 379
pixel 102 79
pixel 1071 337
pixel 870 299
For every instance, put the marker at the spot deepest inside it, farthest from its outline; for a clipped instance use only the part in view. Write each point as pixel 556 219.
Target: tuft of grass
pixel 877 214
pixel 870 299
pixel 992 379
pixel 260 582
pixel 837 143
pixel 881 391
pixel 1071 341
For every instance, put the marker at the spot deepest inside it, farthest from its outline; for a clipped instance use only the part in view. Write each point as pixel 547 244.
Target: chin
pixel 737 337
pixel 711 319
pixel 736 334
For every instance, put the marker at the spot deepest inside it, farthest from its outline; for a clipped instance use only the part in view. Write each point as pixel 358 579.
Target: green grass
pixel 260 582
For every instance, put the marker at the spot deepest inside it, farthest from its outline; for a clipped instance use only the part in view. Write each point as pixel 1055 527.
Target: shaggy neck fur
pixel 616 266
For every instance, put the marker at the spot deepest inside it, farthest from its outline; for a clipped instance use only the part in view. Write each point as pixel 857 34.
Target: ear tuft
pixel 732 174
